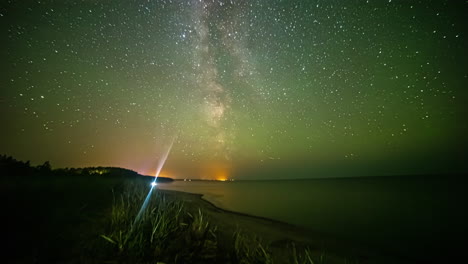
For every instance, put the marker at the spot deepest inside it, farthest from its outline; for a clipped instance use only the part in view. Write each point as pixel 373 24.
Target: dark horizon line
pixel 451 174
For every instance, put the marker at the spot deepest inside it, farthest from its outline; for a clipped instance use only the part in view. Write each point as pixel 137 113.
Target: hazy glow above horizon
pixel 254 89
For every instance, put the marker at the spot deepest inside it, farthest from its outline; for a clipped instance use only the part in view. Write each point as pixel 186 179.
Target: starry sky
pixel 250 89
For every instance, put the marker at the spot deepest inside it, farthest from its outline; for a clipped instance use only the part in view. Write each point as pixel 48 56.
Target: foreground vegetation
pixel 170 232
pixel 91 215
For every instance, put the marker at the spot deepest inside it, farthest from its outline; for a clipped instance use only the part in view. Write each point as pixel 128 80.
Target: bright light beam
pixel 162 161
pixel 153 183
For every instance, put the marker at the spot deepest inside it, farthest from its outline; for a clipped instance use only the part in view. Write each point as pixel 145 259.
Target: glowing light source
pixel 221 175
pixel 153 184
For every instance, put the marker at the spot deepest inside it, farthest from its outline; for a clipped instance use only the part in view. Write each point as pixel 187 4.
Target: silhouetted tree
pixel 45 167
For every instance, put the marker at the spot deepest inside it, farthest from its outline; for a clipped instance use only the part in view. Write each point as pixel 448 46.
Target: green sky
pixel 253 89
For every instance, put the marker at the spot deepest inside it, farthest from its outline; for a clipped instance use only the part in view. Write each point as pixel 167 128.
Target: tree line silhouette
pixel 10 167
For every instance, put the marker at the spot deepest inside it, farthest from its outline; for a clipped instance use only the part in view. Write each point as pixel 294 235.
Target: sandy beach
pixel 57 237
pixel 279 236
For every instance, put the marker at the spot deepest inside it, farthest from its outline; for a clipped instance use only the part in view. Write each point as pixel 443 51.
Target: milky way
pixel 254 89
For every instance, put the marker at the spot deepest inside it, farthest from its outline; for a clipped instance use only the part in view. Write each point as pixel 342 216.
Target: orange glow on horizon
pixel 221 175
pixel 153 174
pixel 204 171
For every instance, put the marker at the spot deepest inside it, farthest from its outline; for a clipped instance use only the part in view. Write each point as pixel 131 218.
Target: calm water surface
pixel 407 215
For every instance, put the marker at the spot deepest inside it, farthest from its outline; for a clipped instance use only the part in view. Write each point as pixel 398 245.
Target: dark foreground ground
pixel 51 220
pixel 64 219
pixel 61 220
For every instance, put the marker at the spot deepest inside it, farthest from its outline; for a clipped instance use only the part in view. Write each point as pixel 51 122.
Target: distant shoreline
pixel 203 197
pixel 386 176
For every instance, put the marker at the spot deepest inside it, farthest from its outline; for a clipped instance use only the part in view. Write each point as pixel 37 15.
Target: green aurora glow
pixel 255 89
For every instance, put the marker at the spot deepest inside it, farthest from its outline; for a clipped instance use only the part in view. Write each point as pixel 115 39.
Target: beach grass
pixel 92 215
pixel 168 231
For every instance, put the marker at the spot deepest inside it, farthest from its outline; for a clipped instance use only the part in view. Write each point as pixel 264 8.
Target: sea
pixel 407 216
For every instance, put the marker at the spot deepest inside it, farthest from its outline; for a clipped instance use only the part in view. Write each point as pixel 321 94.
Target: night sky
pixel 253 89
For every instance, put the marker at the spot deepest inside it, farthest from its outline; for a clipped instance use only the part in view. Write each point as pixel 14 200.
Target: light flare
pixel 153 183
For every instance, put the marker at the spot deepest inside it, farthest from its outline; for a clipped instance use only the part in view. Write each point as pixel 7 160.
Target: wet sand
pixel 279 236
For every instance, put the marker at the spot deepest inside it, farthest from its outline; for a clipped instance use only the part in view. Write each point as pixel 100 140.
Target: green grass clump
pixel 249 250
pixel 165 231
pixel 169 232
pixel 306 258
